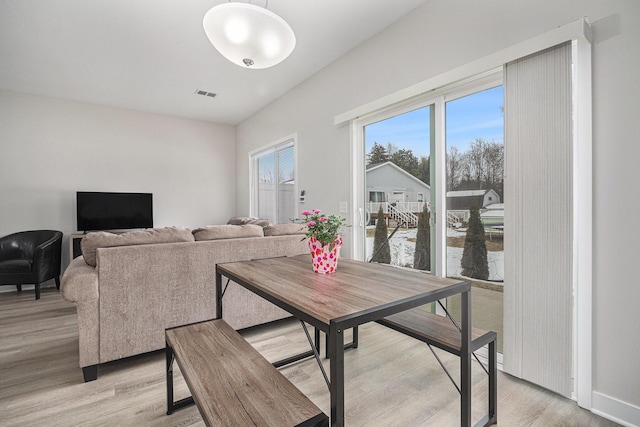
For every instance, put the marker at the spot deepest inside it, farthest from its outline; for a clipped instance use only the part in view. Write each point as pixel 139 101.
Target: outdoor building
pixel 401 195
pixel 493 215
pixel 459 203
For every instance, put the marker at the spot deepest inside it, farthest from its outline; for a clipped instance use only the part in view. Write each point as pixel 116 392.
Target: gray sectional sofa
pixel 129 287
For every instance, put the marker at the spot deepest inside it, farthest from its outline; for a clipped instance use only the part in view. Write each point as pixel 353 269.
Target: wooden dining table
pixel 356 293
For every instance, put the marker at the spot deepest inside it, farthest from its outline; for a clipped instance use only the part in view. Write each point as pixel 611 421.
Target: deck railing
pixel 406 212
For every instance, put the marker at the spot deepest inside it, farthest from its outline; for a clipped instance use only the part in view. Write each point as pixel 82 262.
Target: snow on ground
pixel 402 254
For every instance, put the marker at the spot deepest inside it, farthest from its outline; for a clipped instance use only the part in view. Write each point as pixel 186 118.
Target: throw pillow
pixel 228 231
pixel 284 229
pixel 102 239
pixel 242 220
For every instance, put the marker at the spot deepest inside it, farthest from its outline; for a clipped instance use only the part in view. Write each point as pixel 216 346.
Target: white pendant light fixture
pixel 248 35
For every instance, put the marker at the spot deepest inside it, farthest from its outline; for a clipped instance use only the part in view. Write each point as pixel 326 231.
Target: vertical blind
pixel 538 219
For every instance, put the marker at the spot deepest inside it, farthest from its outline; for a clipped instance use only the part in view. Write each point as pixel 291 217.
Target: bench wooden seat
pixel 231 383
pixel 439 331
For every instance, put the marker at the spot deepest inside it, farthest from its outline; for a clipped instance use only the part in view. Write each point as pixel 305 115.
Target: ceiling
pixel 152 55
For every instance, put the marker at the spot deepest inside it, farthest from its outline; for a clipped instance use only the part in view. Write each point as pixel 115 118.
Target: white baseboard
pixel 615 410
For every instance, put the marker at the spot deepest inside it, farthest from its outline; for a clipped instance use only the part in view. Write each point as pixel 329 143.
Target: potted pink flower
pixel 325 241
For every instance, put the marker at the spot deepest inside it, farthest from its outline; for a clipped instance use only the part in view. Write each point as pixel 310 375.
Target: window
pixel 474 133
pixel 397 154
pixel 273 183
pixel 376 196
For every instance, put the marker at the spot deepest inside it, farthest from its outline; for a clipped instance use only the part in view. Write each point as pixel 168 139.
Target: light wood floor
pixel 391 380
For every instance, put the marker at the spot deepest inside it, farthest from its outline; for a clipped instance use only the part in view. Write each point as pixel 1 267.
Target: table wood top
pixel 357 292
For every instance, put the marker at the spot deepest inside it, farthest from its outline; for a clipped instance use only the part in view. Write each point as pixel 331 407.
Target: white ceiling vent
pixel 205 93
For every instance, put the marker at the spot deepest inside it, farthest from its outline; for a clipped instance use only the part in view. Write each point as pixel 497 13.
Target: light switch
pixel 343 207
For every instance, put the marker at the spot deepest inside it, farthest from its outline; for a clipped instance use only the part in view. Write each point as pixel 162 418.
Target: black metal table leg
pixel 465 360
pixel 336 366
pixel 169 357
pixel 218 295
pixel 352 344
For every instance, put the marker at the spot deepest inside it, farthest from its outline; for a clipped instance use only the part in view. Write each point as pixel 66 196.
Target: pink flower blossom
pixel 306 213
pixel 311 223
pixel 322 219
pixel 316 211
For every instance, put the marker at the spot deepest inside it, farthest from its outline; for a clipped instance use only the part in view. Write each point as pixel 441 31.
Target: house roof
pixel 467 193
pixel 465 199
pixel 371 168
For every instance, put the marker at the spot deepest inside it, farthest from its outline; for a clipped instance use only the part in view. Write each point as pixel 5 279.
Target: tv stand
pixel 74 245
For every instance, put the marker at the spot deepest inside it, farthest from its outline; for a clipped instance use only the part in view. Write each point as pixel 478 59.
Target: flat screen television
pixel 113 211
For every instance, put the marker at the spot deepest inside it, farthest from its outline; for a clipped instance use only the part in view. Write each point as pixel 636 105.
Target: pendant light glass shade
pixel 248 35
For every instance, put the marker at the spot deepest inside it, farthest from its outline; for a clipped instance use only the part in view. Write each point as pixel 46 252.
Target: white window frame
pixel 436 100
pixel 283 143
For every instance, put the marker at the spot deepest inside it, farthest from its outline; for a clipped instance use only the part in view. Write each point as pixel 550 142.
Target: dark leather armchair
pixel 30 257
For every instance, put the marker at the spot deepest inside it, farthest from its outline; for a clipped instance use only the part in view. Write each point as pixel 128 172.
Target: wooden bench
pixel 231 383
pixel 441 332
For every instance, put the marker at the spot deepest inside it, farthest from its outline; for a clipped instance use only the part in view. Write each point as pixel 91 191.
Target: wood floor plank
pixel 390 380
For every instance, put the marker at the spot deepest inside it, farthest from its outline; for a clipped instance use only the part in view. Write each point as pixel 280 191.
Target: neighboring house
pixel 387 182
pixel 493 216
pixel 459 203
pixel 463 200
pixel 401 195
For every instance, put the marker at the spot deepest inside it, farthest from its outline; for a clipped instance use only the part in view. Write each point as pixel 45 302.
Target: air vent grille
pixel 205 93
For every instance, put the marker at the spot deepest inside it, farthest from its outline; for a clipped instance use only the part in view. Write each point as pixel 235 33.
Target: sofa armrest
pixel 79 282
pixel 80 285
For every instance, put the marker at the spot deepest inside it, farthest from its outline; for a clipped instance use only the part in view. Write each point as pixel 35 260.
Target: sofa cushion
pixel 102 239
pixel 284 229
pixel 228 231
pixel 242 220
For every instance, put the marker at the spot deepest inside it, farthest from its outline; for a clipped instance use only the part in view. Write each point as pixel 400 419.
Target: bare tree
pixel 391 148
pixel 475 162
pixel 454 168
pixel 482 166
pixel 266 177
pixel 494 157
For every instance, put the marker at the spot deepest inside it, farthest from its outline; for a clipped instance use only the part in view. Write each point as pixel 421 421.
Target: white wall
pixel 50 148
pixel 440 36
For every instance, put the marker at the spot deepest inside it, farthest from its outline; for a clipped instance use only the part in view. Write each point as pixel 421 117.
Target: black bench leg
pixel 354 340
pixel 37 290
pixel 90 373
pixel 171 405
pixel 58 282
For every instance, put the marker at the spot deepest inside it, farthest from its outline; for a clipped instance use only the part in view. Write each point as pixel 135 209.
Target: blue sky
pixel 474 116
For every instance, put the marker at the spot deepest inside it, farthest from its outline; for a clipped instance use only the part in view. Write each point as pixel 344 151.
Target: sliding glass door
pixel 475 201
pixel 433 191
pixel 397 190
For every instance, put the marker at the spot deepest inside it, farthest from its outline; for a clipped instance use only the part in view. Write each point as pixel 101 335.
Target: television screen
pixel 113 211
